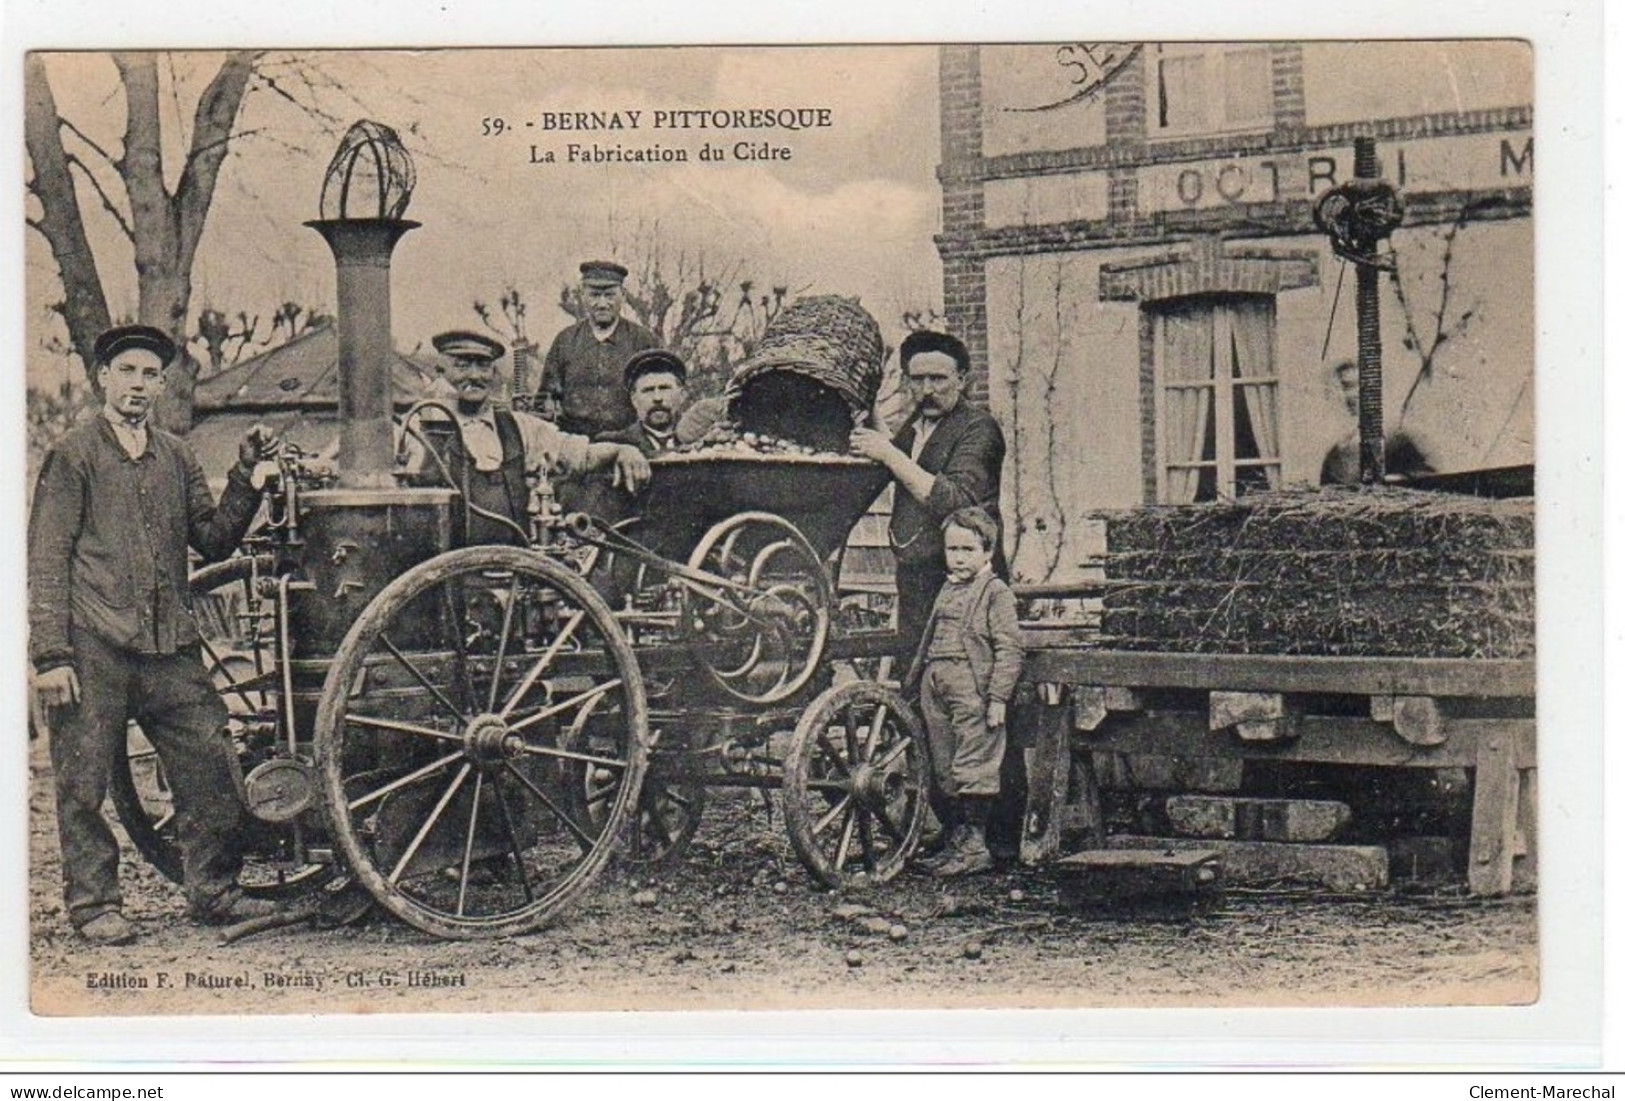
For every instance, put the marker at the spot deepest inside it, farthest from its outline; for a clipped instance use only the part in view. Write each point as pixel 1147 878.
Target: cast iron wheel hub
pixel 875 786
pixel 489 741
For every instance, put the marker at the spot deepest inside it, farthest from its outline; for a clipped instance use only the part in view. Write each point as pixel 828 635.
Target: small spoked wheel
pixel 465 714
pixel 854 785
pixel 669 805
pixel 240 658
pixel 759 626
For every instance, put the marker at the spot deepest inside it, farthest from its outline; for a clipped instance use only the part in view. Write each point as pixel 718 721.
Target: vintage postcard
pixel 1020 526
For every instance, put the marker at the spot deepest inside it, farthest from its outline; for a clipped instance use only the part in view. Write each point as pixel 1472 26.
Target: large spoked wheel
pixel 464 713
pixel 854 785
pixel 760 631
pixel 241 662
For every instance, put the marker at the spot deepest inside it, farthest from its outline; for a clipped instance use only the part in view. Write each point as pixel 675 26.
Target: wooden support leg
pixel 1047 777
pixel 1495 818
pixel 1083 809
pixel 1525 863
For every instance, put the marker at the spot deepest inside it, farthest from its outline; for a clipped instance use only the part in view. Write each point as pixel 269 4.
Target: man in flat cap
pixel 496 454
pixel 948 455
pixel 112 637
pixel 657 386
pixel 586 360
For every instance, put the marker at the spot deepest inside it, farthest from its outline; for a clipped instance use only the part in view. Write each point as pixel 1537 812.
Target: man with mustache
pixel 495 455
pixel 112 636
pixel 947 456
pixel 656 385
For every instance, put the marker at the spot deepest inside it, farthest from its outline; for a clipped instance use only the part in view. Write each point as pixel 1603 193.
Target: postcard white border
pixel 1563 1029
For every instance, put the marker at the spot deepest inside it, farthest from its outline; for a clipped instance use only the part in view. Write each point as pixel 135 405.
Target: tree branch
pixel 211 130
pixel 84 306
pixel 107 201
pixel 112 161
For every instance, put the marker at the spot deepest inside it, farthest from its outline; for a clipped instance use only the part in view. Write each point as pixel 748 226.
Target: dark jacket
pixel 992 638
pixel 589 375
pixel 107 539
pixel 634 435
pixel 966 453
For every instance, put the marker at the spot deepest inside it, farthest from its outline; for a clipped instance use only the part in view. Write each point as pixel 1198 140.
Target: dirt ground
pixel 737 923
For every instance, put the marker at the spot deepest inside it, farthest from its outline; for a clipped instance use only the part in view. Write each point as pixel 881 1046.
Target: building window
pixel 1217 397
pixel 1208 89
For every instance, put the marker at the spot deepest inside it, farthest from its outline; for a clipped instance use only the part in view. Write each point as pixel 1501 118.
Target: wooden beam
pixel 1321 738
pixel 1048 772
pixel 1275 673
pixel 1495 818
pixel 1526 847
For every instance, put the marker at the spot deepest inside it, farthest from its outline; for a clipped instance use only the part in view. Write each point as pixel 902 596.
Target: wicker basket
pixel 828 339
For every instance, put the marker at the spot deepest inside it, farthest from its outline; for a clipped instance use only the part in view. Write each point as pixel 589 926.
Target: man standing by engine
pixel 585 361
pixel 113 639
pixel 948 455
pixel 494 455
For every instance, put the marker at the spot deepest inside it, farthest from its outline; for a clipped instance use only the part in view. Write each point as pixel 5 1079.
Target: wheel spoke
pixel 677 797
pixel 887 824
pixel 893 753
pixel 574 701
pixel 417 675
pixel 543 662
pixel 456 606
pixel 572 755
pixel 845 846
pixel 403 728
pixel 468 845
pixel 875 730
pixel 410 778
pixel 502 644
pixel 582 836
pixel 833 813
pixel 866 839
pixel 513 837
pixel 834 757
pixel 429 824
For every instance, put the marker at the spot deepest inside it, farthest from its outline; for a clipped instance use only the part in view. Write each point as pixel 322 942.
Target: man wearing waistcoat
pixel 494 454
pixel 112 635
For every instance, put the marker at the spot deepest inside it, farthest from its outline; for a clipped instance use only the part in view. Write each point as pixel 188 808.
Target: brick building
pixel 1128 248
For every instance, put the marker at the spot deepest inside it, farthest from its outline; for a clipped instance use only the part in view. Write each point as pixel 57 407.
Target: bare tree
pixel 74 176
pixel 227 341
pixel 162 224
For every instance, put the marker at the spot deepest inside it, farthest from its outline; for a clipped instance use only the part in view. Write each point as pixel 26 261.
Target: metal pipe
pixel 361 254
pixel 1368 324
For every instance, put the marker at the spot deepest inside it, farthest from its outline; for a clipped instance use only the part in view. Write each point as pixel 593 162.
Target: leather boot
pixel 969 853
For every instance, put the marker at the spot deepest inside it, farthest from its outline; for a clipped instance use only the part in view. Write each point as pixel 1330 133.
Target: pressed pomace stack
pixel 1352 572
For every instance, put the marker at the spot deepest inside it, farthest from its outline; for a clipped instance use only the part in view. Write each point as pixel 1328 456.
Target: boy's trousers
pixel 965 754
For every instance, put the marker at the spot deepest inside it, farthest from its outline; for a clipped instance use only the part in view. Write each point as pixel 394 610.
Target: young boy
pixel 965 670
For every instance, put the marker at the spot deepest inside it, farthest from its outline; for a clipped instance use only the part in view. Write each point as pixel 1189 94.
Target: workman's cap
pixel 125 337
pixel 653 362
pixel 924 340
pixel 462 344
pixel 603 273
